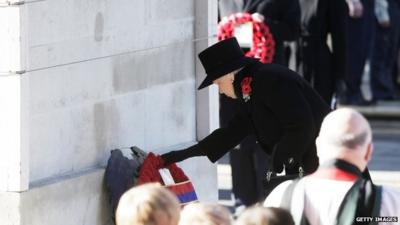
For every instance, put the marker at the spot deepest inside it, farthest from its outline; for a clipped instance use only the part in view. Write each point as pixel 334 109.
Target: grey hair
pixel 351 141
pixel 237 71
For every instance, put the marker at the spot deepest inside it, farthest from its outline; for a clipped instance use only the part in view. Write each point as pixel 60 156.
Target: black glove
pixel 277 163
pixel 278 167
pixel 291 164
pixel 174 156
pixel 180 155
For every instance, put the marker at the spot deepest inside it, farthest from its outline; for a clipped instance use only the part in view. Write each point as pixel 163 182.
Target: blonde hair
pixel 258 215
pixel 146 205
pixel 205 214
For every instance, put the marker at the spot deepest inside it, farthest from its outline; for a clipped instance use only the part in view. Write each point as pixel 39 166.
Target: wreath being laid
pixel 182 187
pixel 149 170
pixel 124 171
pixel 263 46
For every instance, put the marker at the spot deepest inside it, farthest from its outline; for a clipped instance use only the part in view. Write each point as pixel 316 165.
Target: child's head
pixel 148 204
pixel 258 215
pixel 205 214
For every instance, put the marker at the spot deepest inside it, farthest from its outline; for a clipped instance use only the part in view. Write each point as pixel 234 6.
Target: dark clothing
pixel 360 34
pixel 248 161
pixel 284 113
pixel 384 55
pixel 249 165
pixel 282 17
pixel 321 66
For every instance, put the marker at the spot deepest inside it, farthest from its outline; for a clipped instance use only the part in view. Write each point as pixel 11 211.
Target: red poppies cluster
pixel 263 46
pixel 245 84
pixel 149 170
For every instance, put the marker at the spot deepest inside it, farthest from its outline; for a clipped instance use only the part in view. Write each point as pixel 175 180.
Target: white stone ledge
pixel 67 200
pixel 64 177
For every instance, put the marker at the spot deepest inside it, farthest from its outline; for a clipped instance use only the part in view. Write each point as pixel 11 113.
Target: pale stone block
pixel 93 81
pixel 170 114
pixel 153 67
pixel 10 208
pixel 63 87
pixel 207 100
pixel 14 133
pixel 102 28
pixel 71 139
pixel 10 29
pixel 69 200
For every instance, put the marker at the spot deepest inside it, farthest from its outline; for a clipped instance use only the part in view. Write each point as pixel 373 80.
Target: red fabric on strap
pixel 334 174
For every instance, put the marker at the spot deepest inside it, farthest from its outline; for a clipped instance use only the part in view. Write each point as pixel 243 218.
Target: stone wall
pixel 79 78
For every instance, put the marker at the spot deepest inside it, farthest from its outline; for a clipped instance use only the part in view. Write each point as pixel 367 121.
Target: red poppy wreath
pixel 263 46
pixel 151 165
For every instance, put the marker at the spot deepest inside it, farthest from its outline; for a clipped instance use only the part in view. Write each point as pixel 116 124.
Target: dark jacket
pixel 282 17
pixel 283 112
pixel 316 60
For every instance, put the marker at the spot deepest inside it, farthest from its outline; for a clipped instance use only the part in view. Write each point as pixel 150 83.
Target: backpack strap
pixel 377 203
pixel 347 210
pixel 362 200
pixel 288 195
pixel 295 191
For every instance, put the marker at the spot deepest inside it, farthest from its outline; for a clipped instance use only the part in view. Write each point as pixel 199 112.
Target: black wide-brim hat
pixel 222 58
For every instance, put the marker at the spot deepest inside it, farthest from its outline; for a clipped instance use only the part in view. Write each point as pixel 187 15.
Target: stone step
pixel 387 178
pixel 383 109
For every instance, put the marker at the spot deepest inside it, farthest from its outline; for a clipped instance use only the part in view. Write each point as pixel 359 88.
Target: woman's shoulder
pixel 275 69
pixel 275 73
pixel 272 79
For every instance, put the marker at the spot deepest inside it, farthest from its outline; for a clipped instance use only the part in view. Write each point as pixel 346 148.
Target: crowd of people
pixel 334 41
pixel 335 194
pixel 153 204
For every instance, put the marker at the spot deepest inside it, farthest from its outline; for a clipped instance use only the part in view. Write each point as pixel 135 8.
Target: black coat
pixel 317 62
pixel 282 17
pixel 283 112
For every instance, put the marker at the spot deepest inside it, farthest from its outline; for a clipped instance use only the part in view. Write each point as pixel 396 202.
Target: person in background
pixel 384 54
pixel 360 34
pixel 248 160
pixel 322 66
pixel 148 204
pixel 259 215
pixel 205 214
pixel 281 16
pixel 396 69
pixel 337 193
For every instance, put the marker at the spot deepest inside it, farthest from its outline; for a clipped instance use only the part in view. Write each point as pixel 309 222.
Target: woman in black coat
pixel 276 105
pixel 323 67
pixel 248 161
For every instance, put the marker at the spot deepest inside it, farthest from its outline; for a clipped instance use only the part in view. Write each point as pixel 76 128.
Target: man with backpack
pixel 336 193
